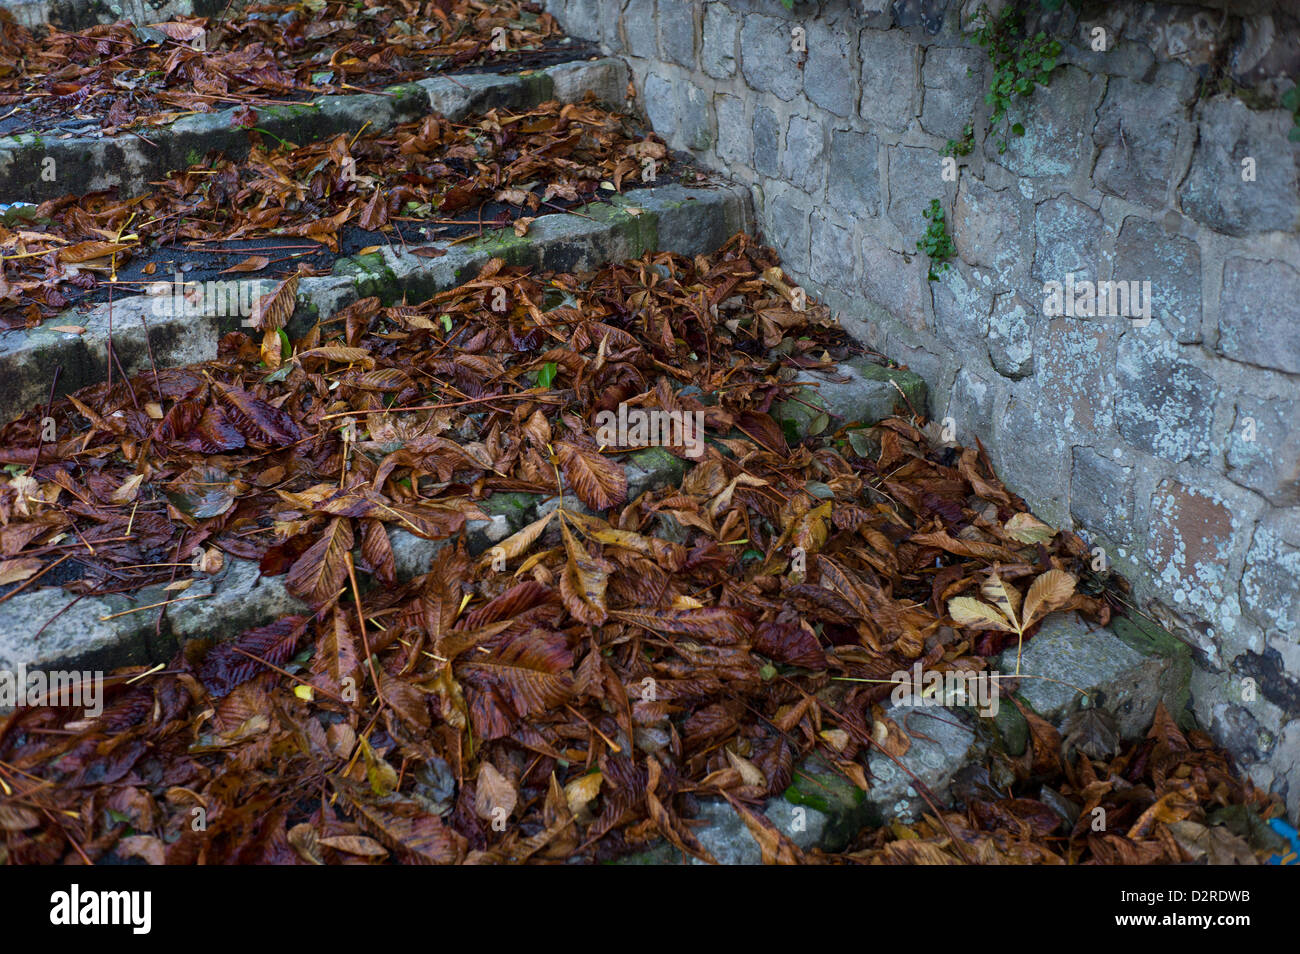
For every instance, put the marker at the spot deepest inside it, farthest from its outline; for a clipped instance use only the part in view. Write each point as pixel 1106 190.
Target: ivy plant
pixel 1020 62
pixel 1291 101
pixel 936 242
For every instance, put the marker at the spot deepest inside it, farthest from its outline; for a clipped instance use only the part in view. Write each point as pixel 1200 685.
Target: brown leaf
pixel 319 573
pixel 599 482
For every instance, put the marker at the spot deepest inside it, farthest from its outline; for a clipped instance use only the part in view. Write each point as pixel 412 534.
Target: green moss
pixel 517 508
pixel 656 460
pixel 911 383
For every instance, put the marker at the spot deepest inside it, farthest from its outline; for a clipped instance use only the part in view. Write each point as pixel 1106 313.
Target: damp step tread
pixel 687 220
pixel 35 167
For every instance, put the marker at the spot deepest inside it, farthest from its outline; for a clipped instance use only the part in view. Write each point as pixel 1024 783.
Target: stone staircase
pixel 49 627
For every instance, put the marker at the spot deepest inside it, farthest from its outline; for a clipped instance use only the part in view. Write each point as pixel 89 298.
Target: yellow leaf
pixel 304 693
pixel 1026 528
pixel 582 790
pixel 971 612
pixel 1050 591
pixel 1005 598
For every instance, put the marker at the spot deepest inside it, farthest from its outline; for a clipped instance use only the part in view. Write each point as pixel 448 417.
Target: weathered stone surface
pixel 1189 543
pixel 1165 404
pixel 888 78
pixel 951 78
pixel 853 169
pixel 828 72
pixel 941 744
pixel 639 27
pixel 1138 129
pixel 1069 652
pixel 971 406
pixel 986 228
pixel 803 164
pixel 734 143
pixel 1257 298
pixel 718 41
pixel 1193 36
pixel 832 254
pixel 1101 494
pixel 1131 668
pixel 677 35
pixel 1057 121
pixel 1270 585
pixel 1068 237
pixel 1172 263
pixel 926 14
pixel 914 181
pixel 896 285
pixel 1263 448
pixel 1011 337
pixel 766 59
pixel 661 106
pixel 962 305
pixel 1214 192
pixel 859 391
pixel 767 141
pixel 1075 371
pixel 787 229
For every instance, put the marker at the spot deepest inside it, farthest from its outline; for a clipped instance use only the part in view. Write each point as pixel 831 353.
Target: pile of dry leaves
pixel 1171 798
pixel 124 76
pixel 634 655
pixel 499 168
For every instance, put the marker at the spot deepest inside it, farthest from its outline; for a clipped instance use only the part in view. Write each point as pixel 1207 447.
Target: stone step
pixel 36 167
pixel 80 14
pixel 687 220
pixel 51 628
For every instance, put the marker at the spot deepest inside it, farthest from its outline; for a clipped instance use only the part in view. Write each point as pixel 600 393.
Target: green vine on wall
pixel 1020 62
pixel 936 242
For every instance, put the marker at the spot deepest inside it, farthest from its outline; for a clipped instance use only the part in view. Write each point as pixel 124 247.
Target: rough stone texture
pixel 803 162
pixel 941 744
pixel 1057 122
pixel 1145 251
pixel 1138 131
pixel 1270 585
pixel 1263 448
pixel 857 391
pixel 1068 237
pixel 828 73
pixel 790 230
pixel 767 141
pixel 1165 405
pixel 1259 298
pixel 718 42
pixel 1191 537
pixel 677 36
pixel 734 131
pixel 1101 494
pixel 854 177
pixel 767 60
pixel 1215 193
pixel 949 90
pixel 888 75
pixel 1011 337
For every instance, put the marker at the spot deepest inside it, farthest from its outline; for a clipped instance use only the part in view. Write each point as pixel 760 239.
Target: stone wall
pixel 1174 445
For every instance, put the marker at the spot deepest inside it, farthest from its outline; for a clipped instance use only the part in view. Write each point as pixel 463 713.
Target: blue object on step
pixel 1292 857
